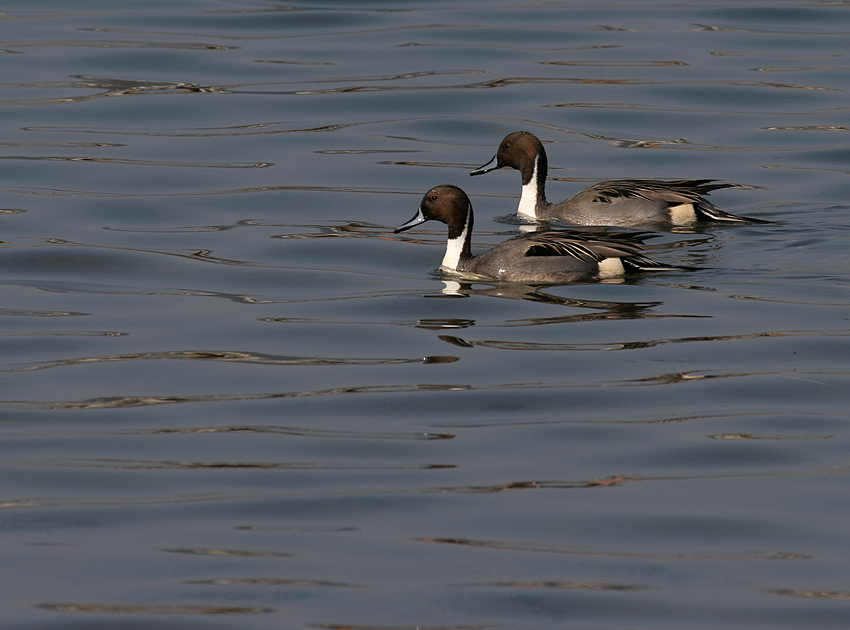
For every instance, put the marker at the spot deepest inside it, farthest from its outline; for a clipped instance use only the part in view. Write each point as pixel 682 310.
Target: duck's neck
pixel 459 245
pixel 533 198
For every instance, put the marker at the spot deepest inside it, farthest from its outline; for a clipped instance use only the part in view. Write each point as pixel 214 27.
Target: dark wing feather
pixel 564 248
pixel 672 191
pixel 584 247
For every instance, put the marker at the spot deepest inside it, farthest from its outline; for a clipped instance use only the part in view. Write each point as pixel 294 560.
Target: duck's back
pixel 586 209
pixel 627 203
pixel 549 257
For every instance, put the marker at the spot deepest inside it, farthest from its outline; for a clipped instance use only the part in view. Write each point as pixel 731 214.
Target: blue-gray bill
pixel 492 165
pixel 416 220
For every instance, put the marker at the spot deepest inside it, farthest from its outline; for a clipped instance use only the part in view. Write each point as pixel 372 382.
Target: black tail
pixel 707 211
pixel 642 264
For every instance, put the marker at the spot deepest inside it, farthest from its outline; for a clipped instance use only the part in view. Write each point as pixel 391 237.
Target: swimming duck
pixel 623 203
pixel 549 256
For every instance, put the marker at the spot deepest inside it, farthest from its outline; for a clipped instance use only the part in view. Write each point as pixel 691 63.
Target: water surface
pixel 232 397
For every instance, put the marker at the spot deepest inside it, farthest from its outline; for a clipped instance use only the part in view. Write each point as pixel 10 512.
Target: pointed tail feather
pixel 638 264
pixel 707 211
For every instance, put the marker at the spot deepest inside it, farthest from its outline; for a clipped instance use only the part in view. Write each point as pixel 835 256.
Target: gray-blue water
pixel 231 397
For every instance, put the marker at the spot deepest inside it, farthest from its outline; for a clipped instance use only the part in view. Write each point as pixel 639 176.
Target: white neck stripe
pixel 528 201
pixel 454 246
pixel 453 249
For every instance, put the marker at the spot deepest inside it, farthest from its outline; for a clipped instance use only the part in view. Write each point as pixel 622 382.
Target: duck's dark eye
pixel 433 197
pixel 507 145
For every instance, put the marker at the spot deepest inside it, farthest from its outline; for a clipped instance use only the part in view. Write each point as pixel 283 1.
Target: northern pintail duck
pixel 549 256
pixel 623 203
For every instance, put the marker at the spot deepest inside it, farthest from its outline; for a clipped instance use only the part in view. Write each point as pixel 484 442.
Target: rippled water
pixel 231 397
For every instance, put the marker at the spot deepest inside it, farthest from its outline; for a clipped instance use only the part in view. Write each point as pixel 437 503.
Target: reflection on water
pixel 134 162
pixel 152 465
pixel 229 392
pixel 105 87
pixel 516 546
pixel 229 552
pixel 272 582
pixel 815 594
pixel 155 609
pixel 230 356
pixel 628 345
pixel 673 378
